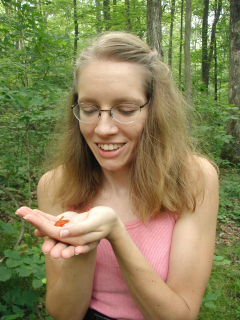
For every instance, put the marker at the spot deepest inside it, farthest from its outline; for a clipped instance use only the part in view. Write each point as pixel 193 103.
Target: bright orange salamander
pixel 61 222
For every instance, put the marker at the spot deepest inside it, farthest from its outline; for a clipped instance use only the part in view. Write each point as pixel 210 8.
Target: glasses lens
pixel 76 111
pixel 85 112
pixel 126 112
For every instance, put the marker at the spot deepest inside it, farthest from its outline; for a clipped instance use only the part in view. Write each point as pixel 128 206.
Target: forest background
pixel 39 41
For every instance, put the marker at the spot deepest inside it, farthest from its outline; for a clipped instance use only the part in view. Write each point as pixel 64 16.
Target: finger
pixel 56 251
pixel 83 239
pixel 80 227
pixel 45 226
pixel 23 211
pixel 86 248
pixel 48 244
pixel 45 215
pixel 39 234
pixel 68 252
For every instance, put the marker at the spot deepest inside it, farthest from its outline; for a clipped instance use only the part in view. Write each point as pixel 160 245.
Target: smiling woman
pixel 141 206
pixel 105 83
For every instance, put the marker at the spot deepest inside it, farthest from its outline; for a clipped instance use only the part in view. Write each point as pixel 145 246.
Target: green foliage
pixel 25 266
pixel 211 118
pixel 230 197
pixel 37 53
pixel 222 296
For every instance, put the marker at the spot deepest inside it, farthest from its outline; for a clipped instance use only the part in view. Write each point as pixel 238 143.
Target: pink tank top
pixel 110 294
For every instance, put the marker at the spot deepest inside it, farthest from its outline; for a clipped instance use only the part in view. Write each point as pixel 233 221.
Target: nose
pixel 106 124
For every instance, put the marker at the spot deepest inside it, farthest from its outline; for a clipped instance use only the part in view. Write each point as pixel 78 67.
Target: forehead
pixel 111 82
pixel 111 69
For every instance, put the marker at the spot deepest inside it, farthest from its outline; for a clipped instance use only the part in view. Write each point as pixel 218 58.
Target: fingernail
pixel 52 258
pixel 64 233
pixel 25 218
pixel 45 252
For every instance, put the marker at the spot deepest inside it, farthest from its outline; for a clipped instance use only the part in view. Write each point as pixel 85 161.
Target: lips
pixel 110 146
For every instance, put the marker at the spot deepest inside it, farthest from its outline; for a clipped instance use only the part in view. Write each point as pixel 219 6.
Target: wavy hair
pixel 160 176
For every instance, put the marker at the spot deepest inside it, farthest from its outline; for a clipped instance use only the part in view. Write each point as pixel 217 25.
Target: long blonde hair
pixel 163 161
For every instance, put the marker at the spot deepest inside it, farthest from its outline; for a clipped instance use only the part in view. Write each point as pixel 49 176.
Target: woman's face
pixel 105 84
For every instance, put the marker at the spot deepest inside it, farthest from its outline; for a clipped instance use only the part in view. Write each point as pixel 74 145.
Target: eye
pixel 88 110
pixel 127 109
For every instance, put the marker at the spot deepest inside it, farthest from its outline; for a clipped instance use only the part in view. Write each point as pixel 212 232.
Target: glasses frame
pixel 110 111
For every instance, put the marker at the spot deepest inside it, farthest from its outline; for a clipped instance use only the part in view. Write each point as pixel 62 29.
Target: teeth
pixel 107 147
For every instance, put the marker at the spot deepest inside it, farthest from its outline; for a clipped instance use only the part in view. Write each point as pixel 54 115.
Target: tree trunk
pixel 75 27
pixel 171 33
pixel 231 151
pixel 187 51
pixel 154 27
pixel 98 17
pixel 106 14
pixel 207 56
pixel 205 43
pixel 180 49
pixel 128 20
pixel 215 61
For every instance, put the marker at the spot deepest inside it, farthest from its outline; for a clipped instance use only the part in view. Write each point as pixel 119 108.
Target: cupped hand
pixel 94 225
pixel 43 222
pixel 84 231
pixel 58 249
pixel 52 246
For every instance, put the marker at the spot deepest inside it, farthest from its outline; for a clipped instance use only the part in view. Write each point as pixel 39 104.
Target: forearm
pixel 152 295
pixel 69 297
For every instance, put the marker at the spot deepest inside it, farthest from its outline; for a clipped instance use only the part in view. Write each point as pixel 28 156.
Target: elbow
pixel 58 312
pixel 52 310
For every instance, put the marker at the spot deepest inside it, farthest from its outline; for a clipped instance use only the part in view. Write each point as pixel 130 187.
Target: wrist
pixel 117 232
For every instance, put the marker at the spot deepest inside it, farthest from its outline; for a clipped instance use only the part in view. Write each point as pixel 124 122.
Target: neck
pixel 116 181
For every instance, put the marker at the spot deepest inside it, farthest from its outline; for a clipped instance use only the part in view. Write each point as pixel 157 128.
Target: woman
pixel 143 245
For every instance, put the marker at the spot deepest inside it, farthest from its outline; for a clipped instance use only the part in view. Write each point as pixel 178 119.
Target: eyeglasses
pixel 123 112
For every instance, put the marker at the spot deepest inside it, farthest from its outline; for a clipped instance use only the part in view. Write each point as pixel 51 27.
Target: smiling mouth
pixel 110 147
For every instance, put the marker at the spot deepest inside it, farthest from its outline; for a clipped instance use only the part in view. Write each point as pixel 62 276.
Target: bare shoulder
pixel 210 178
pixel 205 180
pixel 208 169
pixel 46 191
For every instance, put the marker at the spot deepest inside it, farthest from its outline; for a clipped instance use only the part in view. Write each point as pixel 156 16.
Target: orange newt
pixel 61 222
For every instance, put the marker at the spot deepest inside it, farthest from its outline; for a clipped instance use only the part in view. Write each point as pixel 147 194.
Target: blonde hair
pixel 163 161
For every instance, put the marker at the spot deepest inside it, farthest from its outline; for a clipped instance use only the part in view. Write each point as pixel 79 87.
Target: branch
pixel 30 146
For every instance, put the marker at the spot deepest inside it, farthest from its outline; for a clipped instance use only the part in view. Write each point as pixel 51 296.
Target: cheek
pixel 86 130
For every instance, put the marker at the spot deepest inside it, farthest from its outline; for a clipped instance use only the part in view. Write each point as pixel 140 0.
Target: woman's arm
pixel 190 261
pixel 69 282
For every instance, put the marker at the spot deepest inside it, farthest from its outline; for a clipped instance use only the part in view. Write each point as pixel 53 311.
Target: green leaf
pixel 11 317
pixel 12 254
pixel 11 263
pixel 5 274
pixel 8 228
pixel 29 297
pixel 37 283
pixel 18 311
pixel 237 282
pixel 213 296
pixel 219 261
pixel 3 308
pixel 27 260
pixel 23 271
pixel 24 119
pixel 210 305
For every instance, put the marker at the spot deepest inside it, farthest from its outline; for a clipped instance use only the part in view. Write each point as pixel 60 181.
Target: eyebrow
pixel 115 101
